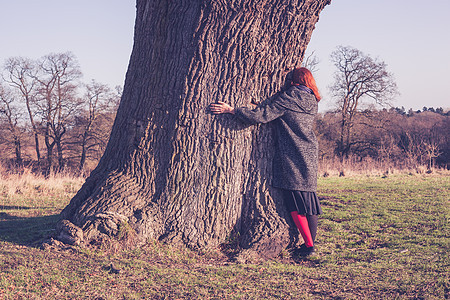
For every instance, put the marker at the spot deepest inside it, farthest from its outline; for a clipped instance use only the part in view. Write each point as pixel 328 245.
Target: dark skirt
pixel 305 203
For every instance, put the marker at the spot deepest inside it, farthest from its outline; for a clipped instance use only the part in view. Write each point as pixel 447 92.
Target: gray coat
pixel 296 150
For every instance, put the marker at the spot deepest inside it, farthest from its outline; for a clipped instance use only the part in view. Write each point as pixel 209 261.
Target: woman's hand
pixel 221 108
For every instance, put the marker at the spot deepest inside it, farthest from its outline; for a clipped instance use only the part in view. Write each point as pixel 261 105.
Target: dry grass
pixel 33 193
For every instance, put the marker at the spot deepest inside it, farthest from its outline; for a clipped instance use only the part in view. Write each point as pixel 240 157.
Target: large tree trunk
pixel 174 172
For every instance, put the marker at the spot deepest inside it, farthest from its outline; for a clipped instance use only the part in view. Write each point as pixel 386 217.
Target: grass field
pixel 379 238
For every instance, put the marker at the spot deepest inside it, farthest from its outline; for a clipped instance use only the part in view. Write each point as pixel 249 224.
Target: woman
pixel 295 161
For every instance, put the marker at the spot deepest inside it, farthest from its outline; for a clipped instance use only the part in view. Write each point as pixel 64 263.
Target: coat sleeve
pixel 265 112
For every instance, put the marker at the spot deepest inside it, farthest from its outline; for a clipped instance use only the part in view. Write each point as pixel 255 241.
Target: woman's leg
pixel 301 222
pixel 312 223
pixel 307 225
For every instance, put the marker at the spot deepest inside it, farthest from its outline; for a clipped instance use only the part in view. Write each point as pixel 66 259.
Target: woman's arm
pixel 263 113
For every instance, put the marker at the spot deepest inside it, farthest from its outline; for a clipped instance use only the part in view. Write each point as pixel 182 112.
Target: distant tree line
pixel 439 110
pixel 51 121
pixel 388 138
pixel 361 127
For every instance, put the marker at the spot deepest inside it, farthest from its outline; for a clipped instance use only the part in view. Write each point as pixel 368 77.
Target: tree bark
pixel 59 149
pixel 36 146
pixel 20 76
pixel 50 145
pixel 83 151
pixel 172 170
pixel 18 151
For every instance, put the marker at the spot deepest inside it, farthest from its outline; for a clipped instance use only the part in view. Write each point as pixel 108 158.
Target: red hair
pixel 303 76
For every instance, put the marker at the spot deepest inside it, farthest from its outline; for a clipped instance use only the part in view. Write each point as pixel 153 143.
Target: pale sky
pixel 411 36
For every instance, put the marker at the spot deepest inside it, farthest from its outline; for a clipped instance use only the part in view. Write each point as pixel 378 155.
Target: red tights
pixel 302 224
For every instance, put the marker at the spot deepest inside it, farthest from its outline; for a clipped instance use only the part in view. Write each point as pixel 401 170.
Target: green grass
pixel 379 238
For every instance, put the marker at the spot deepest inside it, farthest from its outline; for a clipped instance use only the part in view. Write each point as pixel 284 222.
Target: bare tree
pixel 311 62
pixel 435 139
pixel 100 100
pixel 171 170
pixel 57 78
pixel 20 74
pixel 432 151
pixel 358 77
pixel 11 114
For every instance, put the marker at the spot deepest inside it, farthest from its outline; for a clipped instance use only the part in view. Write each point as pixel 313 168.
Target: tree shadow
pixel 26 231
pixel 16 207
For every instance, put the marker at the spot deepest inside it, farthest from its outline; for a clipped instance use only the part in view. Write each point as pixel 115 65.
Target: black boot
pixel 304 251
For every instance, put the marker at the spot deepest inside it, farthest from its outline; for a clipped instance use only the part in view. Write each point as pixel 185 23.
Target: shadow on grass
pixel 26 231
pixel 14 207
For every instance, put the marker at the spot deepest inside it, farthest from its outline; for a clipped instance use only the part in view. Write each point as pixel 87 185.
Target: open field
pixel 379 238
